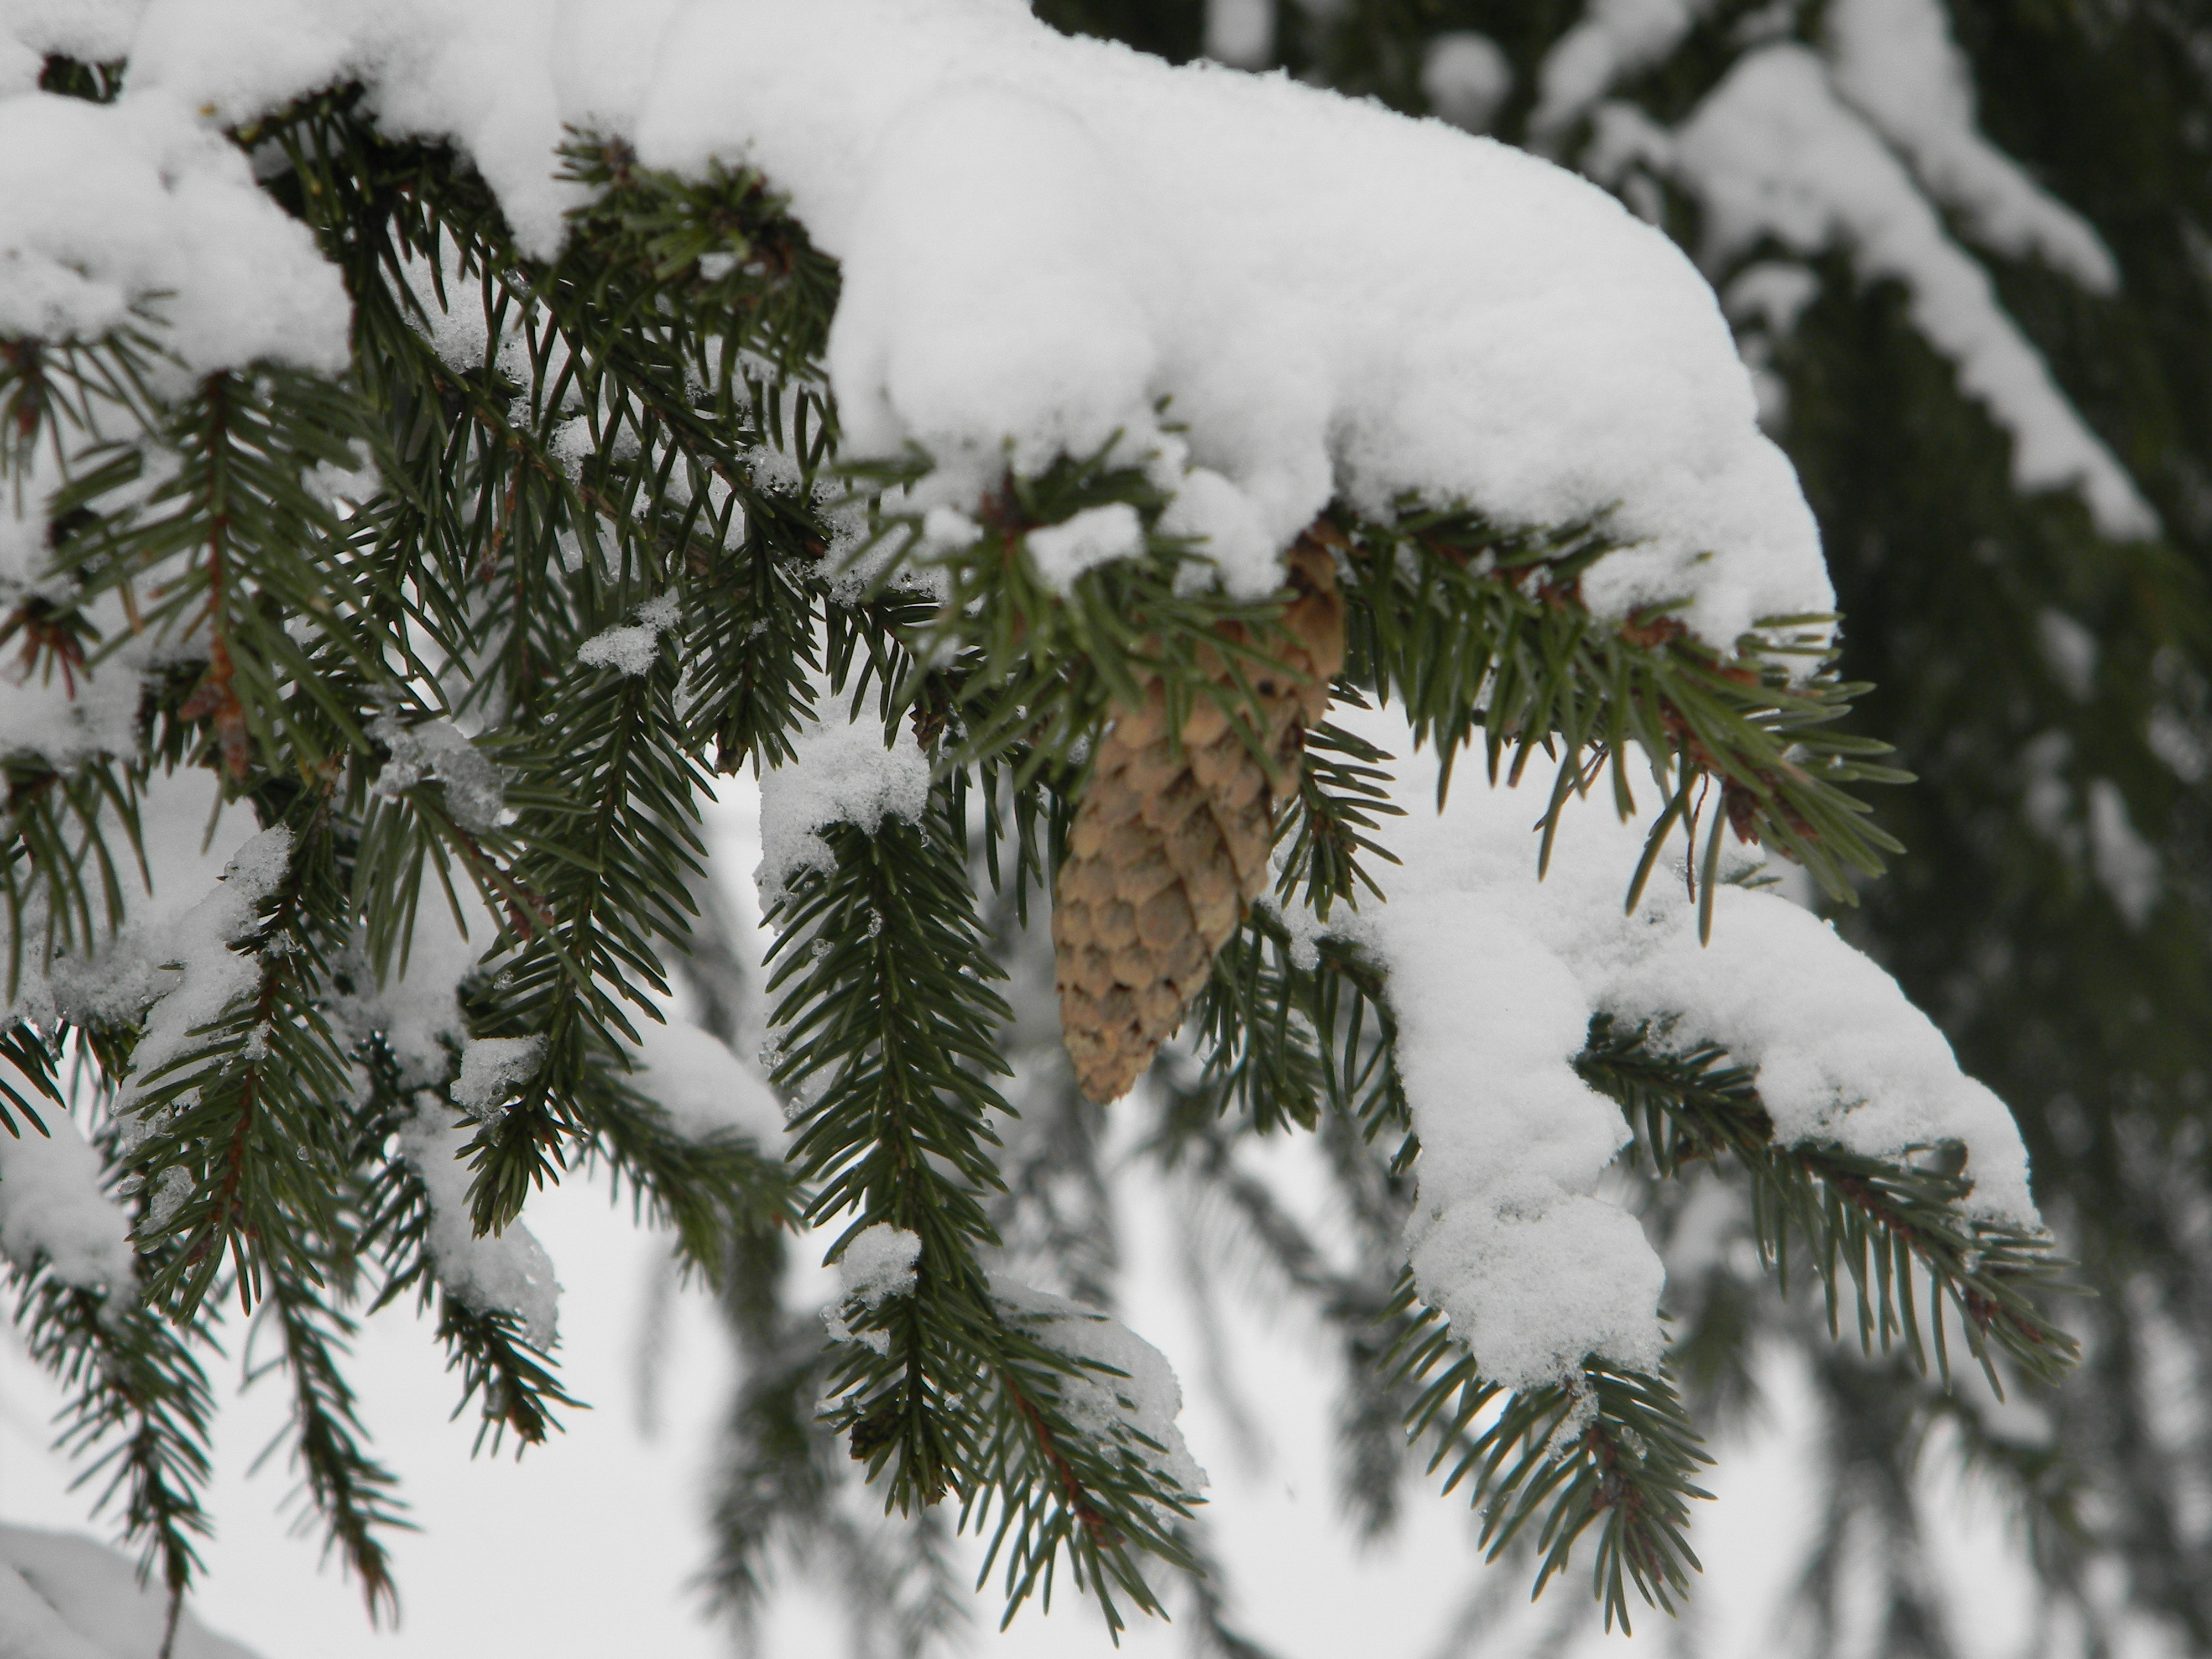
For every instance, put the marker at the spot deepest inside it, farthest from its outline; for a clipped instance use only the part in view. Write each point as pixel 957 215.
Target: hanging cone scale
pixel 1171 843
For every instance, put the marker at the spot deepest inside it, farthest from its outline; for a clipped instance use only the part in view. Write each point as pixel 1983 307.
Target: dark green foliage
pixel 885 998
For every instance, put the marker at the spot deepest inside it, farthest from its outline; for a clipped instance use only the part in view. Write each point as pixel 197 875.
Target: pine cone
pixel 1171 841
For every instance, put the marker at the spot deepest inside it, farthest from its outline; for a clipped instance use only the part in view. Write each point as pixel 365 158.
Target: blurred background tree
pixel 1966 247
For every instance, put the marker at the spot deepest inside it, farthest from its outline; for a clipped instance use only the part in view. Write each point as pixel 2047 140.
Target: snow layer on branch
pixel 706 1089
pixel 206 976
pixel 1494 978
pixel 1493 329
pixel 65 1597
pixel 189 842
pixel 841 772
pixel 1612 40
pixel 90 31
pixel 492 1070
pixel 1064 551
pixel 1146 1397
pixel 632 649
pixel 1042 238
pixel 1773 152
pixel 878 1262
pixel 51 1202
pixel 500 1273
pixel 1895 59
pixel 111 211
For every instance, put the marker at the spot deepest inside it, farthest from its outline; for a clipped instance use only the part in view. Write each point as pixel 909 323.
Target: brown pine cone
pixel 1171 841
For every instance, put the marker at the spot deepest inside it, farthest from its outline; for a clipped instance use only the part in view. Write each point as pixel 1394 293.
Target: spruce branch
pixel 1875 1223
pixel 885 1027
pixel 516 1388
pixel 355 1494
pixel 1479 629
pixel 139 1414
pixel 1608 1447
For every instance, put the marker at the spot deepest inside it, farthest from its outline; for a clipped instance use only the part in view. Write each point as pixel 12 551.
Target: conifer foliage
pixel 460 627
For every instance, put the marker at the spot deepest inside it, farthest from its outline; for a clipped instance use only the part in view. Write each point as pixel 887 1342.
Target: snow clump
pixel 1509 1238
pixel 841 772
pixel 706 1090
pixel 505 1271
pixel 1146 1397
pixel 1497 332
pixel 52 1205
pixel 633 650
pixel 878 1264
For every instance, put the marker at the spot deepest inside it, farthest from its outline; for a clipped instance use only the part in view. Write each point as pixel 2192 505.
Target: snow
pixel 1896 62
pixel 1613 39
pixel 878 1263
pixel 633 650
pixel 1772 294
pixel 1499 332
pixel 115 211
pixel 1146 1397
pixel 475 794
pixel 1774 153
pixel 199 973
pixel 493 1068
pixel 841 772
pixel 1064 551
pixel 90 31
pixel 418 1012
pixel 52 1204
pixel 1510 1237
pixel 706 1089
pixel 66 1597
pixel 1466 77
pixel 66 718
pixel 1496 333
pixel 2070 650
pixel 500 1273
pixel 2128 867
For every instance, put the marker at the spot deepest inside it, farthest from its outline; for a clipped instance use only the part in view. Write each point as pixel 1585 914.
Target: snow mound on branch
pixel 706 1089
pixel 1895 59
pixel 841 772
pixel 1333 299
pixel 52 1203
pixel 1146 1397
pixel 1494 978
pixel 499 1273
pixel 878 1262
pixel 1046 242
pixel 65 1597
pixel 492 1070
pixel 112 212
pixel 632 649
pixel 1812 150
pixel 1774 152
pixel 205 977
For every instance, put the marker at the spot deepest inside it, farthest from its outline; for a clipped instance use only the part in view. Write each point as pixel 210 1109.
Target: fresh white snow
pixel 841 771
pixel 507 1272
pixel 1500 331
pixel 66 1597
pixel 706 1089
pixel 54 1203
pixel 632 649
pixel 1146 1397
pixel 1495 976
